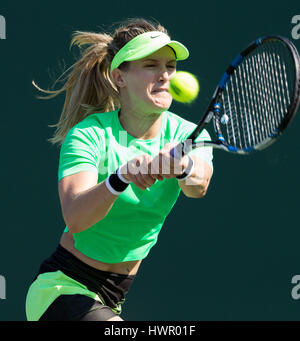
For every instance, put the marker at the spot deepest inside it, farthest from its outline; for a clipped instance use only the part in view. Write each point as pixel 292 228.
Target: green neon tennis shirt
pixel 100 144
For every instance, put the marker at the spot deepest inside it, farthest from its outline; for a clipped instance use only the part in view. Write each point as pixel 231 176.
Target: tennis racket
pixel 255 100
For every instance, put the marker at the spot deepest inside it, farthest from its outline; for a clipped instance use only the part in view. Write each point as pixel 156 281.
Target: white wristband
pixel 121 177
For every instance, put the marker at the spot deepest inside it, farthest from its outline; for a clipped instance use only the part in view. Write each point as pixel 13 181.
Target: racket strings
pixel 257 96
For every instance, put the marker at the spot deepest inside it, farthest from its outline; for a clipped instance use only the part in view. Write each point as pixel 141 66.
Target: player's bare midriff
pixel 124 268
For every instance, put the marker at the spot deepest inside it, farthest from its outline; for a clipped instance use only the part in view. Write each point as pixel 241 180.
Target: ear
pixel 118 77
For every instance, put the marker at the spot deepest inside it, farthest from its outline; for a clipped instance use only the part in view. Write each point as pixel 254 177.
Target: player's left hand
pixel 165 166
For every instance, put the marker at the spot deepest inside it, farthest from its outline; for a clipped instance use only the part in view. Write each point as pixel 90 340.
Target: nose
pixel 164 75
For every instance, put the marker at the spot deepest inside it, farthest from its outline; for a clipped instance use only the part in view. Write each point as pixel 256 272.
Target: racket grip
pixel 188 171
pixel 178 151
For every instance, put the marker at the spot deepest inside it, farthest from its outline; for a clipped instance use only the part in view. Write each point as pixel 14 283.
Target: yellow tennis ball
pixel 184 87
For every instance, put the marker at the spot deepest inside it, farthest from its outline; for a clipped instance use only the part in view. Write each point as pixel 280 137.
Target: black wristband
pixel 115 185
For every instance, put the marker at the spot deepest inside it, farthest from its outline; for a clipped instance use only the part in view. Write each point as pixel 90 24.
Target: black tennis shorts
pixel 110 287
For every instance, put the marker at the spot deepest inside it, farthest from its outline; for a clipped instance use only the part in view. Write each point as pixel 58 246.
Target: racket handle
pixel 188 171
pixel 178 151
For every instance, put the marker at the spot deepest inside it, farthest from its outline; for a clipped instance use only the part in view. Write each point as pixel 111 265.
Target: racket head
pixel 257 97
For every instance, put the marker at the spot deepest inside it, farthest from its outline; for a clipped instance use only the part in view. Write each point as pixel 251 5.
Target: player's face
pixel 147 81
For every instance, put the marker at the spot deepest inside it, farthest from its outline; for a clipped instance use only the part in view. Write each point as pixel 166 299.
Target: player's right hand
pixel 138 171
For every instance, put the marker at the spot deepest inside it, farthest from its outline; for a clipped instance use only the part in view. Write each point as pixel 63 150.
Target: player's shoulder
pixel 93 124
pixel 96 120
pixel 180 127
pixel 91 129
pixel 177 124
pixel 177 119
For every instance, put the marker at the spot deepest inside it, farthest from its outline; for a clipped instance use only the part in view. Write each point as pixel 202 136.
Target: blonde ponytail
pixel 88 86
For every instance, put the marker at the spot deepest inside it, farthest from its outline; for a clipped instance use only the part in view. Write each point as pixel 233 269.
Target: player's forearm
pixel 196 185
pixel 89 207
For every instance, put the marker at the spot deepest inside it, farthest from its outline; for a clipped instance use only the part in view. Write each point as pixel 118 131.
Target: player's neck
pixel 141 126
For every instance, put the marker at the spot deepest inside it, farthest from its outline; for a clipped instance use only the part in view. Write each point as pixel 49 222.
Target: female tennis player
pixel 117 180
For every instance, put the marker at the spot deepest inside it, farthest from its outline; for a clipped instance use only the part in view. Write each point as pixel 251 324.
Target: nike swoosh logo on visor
pixel 155 36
